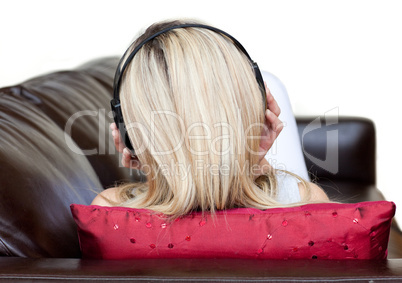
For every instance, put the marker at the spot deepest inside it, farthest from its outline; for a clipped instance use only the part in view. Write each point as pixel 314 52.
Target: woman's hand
pixel 127 160
pixel 271 130
pixel 272 125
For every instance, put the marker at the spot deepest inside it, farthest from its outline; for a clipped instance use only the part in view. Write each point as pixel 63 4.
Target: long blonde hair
pixel 194 114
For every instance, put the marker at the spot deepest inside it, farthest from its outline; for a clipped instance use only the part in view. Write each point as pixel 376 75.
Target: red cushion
pixel 323 231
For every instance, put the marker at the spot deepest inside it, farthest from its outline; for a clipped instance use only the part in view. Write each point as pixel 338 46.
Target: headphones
pixel 115 102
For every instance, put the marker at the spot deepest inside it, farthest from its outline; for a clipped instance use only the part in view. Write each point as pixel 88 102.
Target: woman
pixel 196 115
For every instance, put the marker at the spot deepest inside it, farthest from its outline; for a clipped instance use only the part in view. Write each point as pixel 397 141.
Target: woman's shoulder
pixel 107 197
pixel 292 190
pixel 317 194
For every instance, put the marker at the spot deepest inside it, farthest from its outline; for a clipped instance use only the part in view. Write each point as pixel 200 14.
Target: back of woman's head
pixel 194 114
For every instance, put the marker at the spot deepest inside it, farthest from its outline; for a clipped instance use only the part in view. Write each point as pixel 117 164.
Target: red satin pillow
pixel 323 231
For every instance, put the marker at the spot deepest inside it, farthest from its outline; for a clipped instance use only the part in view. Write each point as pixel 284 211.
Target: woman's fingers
pixel 274 124
pixel 129 161
pixel 271 130
pixel 118 143
pixel 272 104
pixel 113 126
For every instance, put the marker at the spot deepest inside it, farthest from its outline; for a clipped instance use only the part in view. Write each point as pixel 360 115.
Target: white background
pixel 329 54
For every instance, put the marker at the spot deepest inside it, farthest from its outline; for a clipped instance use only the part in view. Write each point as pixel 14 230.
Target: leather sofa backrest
pixel 39 178
pixel 78 102
pixel 47 124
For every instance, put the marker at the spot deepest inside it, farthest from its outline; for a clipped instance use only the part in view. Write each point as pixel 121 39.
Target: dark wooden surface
pixel 197 270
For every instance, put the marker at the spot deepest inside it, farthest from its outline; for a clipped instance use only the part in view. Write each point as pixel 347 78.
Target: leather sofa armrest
pixel 340 154
pixel 346 147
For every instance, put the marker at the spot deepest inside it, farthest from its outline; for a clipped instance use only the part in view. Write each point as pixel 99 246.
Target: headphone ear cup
pixel 127 142
pixel 260 81
pixel 119 121
pixel 124 136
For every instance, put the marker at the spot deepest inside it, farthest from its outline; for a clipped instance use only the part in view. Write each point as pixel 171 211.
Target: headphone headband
pixel 120 71
pixel 115 102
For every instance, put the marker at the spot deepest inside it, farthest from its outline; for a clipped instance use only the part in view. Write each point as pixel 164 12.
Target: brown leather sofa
pixel 48 122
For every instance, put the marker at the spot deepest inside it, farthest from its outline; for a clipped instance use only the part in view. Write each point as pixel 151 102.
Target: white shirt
pixel 288 189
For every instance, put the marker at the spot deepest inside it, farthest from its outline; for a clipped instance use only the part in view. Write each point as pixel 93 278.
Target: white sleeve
pixel 288 189
pixel 286 153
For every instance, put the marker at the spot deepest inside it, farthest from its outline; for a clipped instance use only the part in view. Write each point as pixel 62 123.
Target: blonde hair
pixel 194 114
